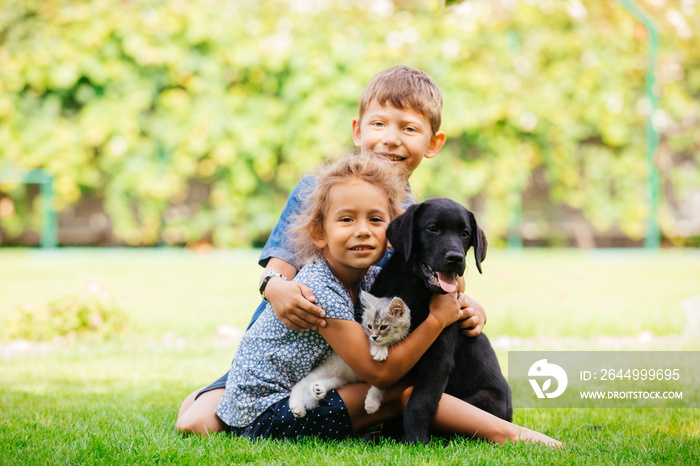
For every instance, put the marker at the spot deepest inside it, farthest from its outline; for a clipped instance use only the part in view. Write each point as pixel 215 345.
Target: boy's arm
pixel 280 245
pixel 474 316
pixel 293 302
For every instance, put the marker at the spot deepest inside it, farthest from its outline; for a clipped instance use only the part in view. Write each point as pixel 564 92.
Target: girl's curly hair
pixel 366 167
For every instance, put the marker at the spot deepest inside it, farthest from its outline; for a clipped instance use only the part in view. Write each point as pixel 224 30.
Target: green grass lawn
pixel 116 402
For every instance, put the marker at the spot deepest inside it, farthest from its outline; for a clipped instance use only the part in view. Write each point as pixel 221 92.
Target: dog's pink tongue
pixel 448 282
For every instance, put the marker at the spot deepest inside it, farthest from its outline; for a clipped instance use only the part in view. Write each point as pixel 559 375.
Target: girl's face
pixel 354 232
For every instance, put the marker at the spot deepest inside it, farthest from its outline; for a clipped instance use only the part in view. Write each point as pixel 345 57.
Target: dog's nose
pixel 454 258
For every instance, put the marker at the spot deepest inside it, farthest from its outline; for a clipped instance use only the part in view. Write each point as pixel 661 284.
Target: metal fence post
pixel 49 222
pixel 653 236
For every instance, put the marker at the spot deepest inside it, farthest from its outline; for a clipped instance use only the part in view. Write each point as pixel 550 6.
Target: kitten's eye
pixel 383 327
pixel 369 326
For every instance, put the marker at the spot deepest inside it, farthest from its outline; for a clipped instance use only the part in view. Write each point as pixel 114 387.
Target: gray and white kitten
pixel 386 321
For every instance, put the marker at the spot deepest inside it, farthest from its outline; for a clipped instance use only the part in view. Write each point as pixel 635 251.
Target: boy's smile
pixel 354 231
pixel 403 136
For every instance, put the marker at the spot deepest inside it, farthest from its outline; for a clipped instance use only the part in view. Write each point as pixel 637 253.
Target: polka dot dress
pixel 271 358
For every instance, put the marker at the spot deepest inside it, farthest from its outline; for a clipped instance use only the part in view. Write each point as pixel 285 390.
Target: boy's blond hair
pixel 366 167
pixel 404 86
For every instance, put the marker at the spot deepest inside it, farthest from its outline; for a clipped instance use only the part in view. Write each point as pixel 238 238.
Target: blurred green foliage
pixel 90 315
pixel 195 120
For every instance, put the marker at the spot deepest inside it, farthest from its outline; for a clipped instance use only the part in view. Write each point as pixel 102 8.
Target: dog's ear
pixel 400 232
pixel 478 242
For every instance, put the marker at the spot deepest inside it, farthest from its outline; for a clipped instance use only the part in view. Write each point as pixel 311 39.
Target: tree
pixel 195 121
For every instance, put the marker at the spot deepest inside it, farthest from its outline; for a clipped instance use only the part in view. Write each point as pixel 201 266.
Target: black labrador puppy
pixel 430 242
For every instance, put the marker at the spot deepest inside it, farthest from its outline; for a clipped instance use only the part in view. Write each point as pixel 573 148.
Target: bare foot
pixel 530 436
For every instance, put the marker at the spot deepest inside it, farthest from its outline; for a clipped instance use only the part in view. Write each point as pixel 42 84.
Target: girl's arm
pixel 349 340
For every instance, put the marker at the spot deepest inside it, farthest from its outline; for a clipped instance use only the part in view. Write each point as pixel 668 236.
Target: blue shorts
pixel 220 383
pixel 329 421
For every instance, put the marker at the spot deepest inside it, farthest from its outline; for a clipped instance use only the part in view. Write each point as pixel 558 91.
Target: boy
pixel 399 119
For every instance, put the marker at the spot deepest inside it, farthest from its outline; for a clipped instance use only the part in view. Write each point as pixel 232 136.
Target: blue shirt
pixel 271 357
pixel 278 244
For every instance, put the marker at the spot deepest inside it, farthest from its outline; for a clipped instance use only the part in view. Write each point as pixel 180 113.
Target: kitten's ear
pixel 397 307
pixel 366 299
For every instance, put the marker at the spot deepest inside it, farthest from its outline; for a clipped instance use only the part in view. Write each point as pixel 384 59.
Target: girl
pixel 341 238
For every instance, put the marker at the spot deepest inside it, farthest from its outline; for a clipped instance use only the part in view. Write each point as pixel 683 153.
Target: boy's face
pixel 402 136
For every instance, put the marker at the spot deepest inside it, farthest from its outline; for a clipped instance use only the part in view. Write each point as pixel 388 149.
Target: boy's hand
pixel 445 308
pixel 473 317
pixel 293 304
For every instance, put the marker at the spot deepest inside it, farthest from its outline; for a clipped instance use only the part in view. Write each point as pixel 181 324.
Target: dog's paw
pixel 417 438
pixel 379 353
pixel 318 390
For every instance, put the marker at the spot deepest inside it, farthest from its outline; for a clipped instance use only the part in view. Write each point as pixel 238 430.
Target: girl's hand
pixel 445 308
pixel 293 304
pixel 473 317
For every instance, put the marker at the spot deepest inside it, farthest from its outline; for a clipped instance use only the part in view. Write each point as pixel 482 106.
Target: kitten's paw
pixel 297 409
pixel 373 400
pixel 318 390
pixel 372 405
pixel 379 353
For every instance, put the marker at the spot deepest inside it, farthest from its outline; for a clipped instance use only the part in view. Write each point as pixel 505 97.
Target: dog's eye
pixel 465 233
pixel 433 228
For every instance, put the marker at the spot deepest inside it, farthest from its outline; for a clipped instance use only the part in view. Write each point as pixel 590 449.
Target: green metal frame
pixel 49 223
pixel 653 236
pixel 652 239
